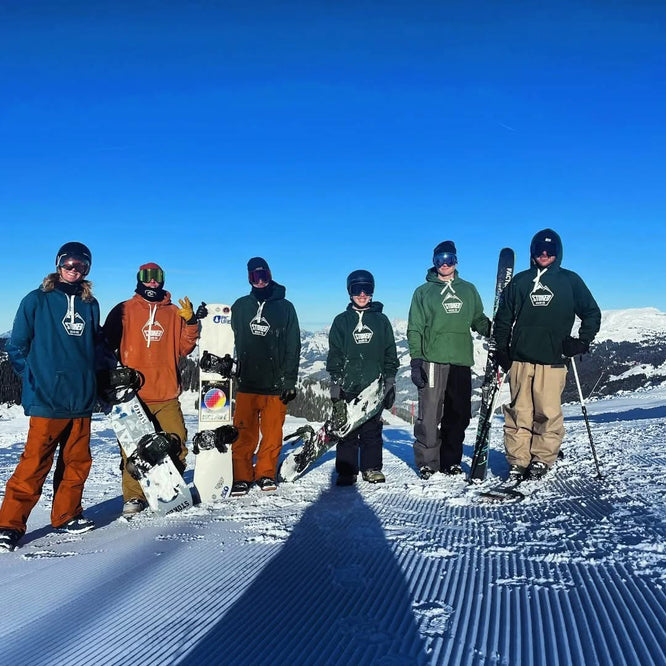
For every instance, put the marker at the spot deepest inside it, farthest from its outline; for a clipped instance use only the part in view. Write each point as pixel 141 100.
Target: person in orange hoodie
pixel 150 334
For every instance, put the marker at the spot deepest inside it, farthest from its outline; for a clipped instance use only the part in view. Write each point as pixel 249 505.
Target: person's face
pixel 544 260
pixel 152 284
pixel 362 299
pixel 260 278
pixel 72 271
pixel 446 271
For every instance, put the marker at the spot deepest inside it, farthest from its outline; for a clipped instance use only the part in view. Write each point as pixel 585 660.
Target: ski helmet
pixel 74 250
pixel 358 281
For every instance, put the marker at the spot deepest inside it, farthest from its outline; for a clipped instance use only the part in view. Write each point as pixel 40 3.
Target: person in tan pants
pixel 532 334
pixel 151 334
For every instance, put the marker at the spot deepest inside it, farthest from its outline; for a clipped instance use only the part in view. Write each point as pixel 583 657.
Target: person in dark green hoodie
pixel 443 312
pixel 532 333
pixel 268 346
pixel 361 349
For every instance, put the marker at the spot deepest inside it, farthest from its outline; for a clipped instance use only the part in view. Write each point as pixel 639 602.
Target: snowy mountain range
pixel 628 353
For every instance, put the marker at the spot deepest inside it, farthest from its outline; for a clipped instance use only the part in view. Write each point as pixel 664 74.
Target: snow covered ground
pixel 410 572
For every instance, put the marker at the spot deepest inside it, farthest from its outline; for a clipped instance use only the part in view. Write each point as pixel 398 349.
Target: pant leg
pixel 72 470
pixel 548 429
pixel 371 442
pixel 24 487
pixel 457 415
pixel 246 419
pixel 169 417
pixel 519 414
pixel 431 406
pixel 271 420
pixel 346 454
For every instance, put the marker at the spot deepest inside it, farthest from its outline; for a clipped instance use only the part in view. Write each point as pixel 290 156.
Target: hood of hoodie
pixel 551 236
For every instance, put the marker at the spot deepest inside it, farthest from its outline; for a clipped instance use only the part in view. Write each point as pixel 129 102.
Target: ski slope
pixel 411 572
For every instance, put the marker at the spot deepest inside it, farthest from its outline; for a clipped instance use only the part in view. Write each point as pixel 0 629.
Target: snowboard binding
pixel 150 451
pixel 221 365
pixel 218 439
pixel 117 385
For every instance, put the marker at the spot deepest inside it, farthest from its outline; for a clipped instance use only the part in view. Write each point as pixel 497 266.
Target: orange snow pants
pixel 255 412
pixel 72 468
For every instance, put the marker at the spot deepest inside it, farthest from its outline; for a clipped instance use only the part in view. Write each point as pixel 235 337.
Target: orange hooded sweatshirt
pixel 151 338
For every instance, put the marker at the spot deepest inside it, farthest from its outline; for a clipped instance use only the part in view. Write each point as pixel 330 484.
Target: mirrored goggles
pixel 259 275
pixel 81 266
pixel 444 259
pixel 148 274
pixel 360 287
pixel 545 246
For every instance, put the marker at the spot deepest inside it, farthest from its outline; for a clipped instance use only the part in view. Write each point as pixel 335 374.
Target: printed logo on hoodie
pixel 152 331
pixel 74 324
pixel 541 296
pixel 452 304
pixel 362 334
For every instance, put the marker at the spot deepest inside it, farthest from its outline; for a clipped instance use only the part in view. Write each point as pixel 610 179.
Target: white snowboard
pixel 164 488
pixel 213 470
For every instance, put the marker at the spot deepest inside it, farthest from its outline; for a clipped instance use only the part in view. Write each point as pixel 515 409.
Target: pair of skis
pixel 490 388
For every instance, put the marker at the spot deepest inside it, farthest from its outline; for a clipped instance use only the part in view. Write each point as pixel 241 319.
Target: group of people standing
pixel 59 347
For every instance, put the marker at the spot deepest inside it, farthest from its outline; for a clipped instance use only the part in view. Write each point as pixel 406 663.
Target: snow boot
pixel 240 488
pixel 77 525
pixel 537 470
pixel 374 476
pixel 9 540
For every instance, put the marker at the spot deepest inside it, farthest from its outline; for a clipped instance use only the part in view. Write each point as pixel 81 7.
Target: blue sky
pixel 331 136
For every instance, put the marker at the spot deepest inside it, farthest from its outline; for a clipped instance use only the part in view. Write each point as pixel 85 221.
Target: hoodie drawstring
pixel 151 321
pixel 537 279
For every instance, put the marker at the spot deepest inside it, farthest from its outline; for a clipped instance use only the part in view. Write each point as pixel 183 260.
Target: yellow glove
pixel 186 311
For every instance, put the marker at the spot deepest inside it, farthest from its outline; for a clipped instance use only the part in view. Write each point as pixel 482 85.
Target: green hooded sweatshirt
pixel 361 348
pixel 268 341
pixel 440 319
pixel 538 308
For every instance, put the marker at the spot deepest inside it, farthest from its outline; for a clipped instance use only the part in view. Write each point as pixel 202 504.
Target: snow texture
pixel 409 572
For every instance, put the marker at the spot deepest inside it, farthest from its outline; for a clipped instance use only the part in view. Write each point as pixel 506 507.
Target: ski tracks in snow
pixel 408 572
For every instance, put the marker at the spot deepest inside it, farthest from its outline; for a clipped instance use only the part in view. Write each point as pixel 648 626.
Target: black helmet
pixel 358 281
pixel 73 250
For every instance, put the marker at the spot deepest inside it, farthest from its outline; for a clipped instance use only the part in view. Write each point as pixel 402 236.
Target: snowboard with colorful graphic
pixel 213 470
pixel 311 444
pixel 146 450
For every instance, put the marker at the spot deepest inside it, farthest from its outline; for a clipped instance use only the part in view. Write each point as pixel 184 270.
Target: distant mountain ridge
pixel 628 353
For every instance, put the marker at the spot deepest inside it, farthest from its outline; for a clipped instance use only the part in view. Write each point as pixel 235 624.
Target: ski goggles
pixel 360 287
pixel 148 274
pixel 259 275
pixel 544 246
pixel 81 266
pixel 444 259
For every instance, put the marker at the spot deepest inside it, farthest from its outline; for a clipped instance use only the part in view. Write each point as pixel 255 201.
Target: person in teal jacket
pixel 532 333
pixel 268 345
pixel 57 348
pixel 361 349
pixel 442 315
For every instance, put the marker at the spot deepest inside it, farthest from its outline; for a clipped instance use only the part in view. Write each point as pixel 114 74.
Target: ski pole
pixel 587 422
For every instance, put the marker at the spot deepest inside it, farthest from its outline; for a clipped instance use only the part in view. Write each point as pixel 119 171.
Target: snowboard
pixel 146 450
pixel 493 377
pixel 213 468
pixel 311 444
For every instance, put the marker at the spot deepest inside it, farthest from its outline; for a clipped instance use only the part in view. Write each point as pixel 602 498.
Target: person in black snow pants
pixel 361 349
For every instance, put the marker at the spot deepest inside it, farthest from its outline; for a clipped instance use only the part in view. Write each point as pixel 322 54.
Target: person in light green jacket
pixel 442 315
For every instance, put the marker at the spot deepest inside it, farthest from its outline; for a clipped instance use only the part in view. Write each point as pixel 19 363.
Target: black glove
pixel 202 311
pixel 389 393
pixel 419 376
pixel 339 415
pixel 288 395
pixel 503 359
pixel 574 346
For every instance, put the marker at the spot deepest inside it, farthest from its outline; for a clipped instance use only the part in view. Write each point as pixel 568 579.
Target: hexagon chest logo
pixel 152 332
pixel 74 325
pixel 541 296
pixel 260 327
pixel 362 335
pixel 452 304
